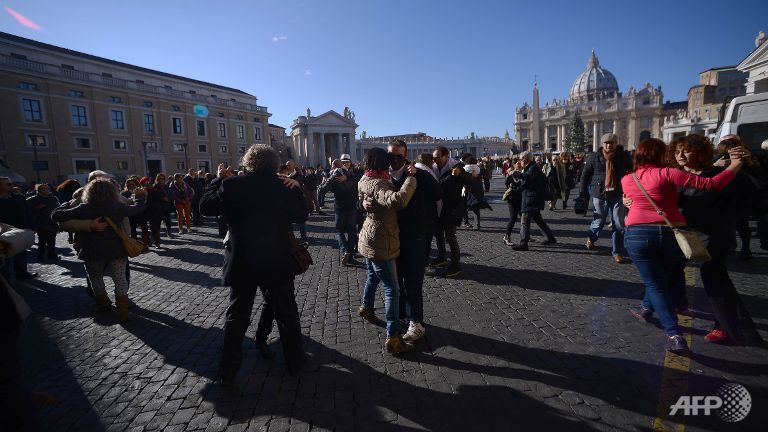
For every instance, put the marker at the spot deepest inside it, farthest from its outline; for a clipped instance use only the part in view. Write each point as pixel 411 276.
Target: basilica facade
pixel 633 115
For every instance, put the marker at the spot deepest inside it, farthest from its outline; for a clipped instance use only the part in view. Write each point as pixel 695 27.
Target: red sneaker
pixel 717 336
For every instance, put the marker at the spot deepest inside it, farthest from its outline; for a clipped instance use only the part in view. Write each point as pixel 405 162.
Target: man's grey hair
pixel 764 145
pixel 260 158
pixel 525 155
pixel 96 174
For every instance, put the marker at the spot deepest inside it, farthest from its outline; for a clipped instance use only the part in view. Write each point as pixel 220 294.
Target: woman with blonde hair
pixel 101 249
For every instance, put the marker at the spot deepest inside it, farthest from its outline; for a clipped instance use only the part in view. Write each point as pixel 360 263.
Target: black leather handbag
pixel 580 206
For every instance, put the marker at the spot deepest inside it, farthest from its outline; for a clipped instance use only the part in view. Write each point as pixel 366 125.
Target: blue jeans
pixel 658 259
pixel 612 207
pixel 346 230
pixel 383 271
pixel 410 276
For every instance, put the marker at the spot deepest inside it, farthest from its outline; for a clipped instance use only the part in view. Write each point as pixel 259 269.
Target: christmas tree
pixel 576 139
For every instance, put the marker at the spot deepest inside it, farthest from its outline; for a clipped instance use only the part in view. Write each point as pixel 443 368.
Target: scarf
pixel 396 174
pixel 610 177
pixel 439 172
pixel 438 203
pixel 181 189
pixel 383 174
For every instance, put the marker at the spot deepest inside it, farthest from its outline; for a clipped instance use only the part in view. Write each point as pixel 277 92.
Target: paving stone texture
pixel 537 340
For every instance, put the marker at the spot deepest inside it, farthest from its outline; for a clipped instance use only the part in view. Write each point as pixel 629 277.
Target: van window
pixel 753 112
pixel 753 134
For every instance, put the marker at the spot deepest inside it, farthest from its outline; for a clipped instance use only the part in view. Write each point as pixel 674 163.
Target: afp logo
pixel 732 403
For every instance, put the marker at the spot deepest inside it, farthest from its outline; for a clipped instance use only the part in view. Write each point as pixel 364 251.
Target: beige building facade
pixel 64 113
pixel 701 112
pixel 633 115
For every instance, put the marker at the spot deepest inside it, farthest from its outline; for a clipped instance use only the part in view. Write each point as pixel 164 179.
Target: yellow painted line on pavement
pixel 674 376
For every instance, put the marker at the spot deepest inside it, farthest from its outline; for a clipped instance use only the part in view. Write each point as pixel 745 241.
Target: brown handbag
pixel 131 246
pixel 300 257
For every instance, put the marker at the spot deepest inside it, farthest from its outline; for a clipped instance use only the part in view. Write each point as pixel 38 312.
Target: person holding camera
pixel 513 197
pixel 344 190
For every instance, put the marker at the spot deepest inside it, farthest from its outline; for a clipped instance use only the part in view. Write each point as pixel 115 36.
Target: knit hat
pixel 144 180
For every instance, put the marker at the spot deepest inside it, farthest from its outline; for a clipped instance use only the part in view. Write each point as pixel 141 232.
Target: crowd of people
pixel 388 212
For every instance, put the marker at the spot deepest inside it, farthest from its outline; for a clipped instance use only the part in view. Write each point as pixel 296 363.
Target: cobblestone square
pixel 537 340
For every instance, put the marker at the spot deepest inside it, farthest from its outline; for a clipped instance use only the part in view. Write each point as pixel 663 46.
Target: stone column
pixel 632 132
pixel 546 136
pixel 321 150
pixel 559 134
pixel 595 136
pixel 308 148
pixel 339 144
pixel 564 135
pixel 298 142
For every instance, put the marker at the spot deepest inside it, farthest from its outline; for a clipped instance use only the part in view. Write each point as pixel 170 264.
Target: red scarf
pixel 383 174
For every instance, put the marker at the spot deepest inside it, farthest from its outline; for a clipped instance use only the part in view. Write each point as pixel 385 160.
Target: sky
pixel 446 68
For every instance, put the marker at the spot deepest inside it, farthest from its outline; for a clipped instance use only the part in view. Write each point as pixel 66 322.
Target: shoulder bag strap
pixel 653 203
pixel 120 233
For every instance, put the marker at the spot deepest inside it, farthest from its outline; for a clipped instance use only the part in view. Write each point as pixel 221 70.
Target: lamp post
pixel 33 139
pixel 186 159
pixel 146 162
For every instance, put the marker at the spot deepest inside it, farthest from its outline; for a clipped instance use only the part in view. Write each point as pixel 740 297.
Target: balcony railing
pixel 49 69
pixel 24 64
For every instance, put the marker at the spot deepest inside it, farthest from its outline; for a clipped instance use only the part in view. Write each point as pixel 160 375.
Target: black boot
pixel 264 350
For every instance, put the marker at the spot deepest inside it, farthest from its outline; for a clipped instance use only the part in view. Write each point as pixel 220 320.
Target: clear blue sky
pixel 447 68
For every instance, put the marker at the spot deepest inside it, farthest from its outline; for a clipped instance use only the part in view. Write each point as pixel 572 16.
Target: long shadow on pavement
pixel 539 280
pixel 336 391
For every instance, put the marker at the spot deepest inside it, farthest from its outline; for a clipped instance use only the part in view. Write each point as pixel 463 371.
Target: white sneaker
pixel 415 332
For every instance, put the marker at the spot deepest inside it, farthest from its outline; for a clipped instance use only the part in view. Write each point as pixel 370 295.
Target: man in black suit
pixel 258 251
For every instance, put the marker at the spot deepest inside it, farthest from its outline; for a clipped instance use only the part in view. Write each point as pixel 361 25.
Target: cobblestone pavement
pixel 538 340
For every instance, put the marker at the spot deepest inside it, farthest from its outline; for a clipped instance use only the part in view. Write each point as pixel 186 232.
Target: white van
pixel 747 117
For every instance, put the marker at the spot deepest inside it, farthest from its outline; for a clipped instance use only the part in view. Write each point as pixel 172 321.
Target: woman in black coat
pixel 534 190
pixel 693 153
pixel 513 197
